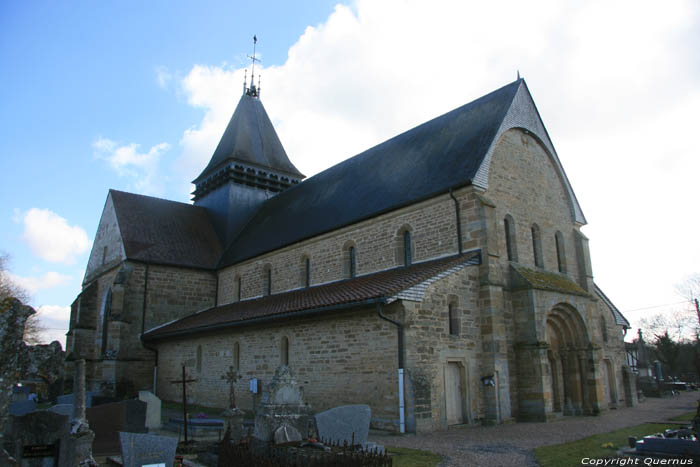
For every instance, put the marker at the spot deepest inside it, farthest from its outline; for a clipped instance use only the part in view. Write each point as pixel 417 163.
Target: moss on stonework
pixel 544 280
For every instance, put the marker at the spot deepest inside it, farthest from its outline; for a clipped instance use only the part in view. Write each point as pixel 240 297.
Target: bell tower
pixel 248 166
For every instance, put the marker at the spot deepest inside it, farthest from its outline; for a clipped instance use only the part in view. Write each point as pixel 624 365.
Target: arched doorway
pixel 567 339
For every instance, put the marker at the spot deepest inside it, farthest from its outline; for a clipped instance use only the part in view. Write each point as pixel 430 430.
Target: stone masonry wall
pixel 107 250
pixel 524 184
pixel 349 357
pixel 430 346
pixel 377 242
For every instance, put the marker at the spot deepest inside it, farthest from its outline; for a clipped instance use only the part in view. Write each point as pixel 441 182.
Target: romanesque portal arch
pixel 568 343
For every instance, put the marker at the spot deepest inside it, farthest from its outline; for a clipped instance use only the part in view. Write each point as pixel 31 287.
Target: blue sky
pixel 134 96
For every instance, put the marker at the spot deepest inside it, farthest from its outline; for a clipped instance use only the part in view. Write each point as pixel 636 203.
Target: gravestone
pixel 107 420
pixel 347 423
pixel 63 409
pixel 234 418
pixel 19 408
pixel 40 438
pixel 282 403
pixel 141 450
pixel 153 409
pixel 70 398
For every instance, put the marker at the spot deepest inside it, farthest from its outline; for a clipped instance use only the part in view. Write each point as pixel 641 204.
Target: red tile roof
pixel 372 288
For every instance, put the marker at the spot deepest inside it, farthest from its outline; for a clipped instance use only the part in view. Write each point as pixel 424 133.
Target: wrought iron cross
pixel 231 376
pixel 184 382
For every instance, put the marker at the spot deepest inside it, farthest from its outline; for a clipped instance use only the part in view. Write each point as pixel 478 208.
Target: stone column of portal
pixel 79 452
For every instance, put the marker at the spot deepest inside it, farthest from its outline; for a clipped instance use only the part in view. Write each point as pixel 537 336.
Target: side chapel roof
pixel 380 287
pixel 156 230
pixel 617 314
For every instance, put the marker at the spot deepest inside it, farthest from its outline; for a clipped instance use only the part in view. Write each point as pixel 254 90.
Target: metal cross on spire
pixel 252 90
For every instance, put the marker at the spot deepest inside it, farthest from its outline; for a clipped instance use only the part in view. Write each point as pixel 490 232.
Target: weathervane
pixel 252 90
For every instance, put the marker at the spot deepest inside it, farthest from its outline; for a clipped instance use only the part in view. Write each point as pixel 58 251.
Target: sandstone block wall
pixel 523 183
pixel 349 357
pixel 430 346
pixel 377 241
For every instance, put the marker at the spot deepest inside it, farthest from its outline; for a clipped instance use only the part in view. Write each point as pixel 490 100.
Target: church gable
pixel 107 249
pixel 523 114
pixel 160 231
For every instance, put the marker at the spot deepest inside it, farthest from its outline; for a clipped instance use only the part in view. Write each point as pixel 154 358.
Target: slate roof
pixel 250 138
pixel 424 162
pixel 160 231
pixel 619 317
pixel 372 288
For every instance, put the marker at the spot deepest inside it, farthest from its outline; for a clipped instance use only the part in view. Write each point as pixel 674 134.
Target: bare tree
pixel 682 322
pixel 33 329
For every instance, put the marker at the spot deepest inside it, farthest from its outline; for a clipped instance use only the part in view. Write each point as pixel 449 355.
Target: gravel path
pixel 513 444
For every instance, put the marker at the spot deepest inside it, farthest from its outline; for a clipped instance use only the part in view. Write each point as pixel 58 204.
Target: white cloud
pixel 34 284
pixel 56 313
pixel 127 161
pixel 616 86
pixel 55 320
pixel 51 238
pixel 163 77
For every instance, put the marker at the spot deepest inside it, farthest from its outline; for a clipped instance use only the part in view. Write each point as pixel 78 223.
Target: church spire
pixel 252 91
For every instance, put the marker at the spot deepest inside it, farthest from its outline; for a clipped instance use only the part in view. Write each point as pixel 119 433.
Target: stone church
pixel 441 277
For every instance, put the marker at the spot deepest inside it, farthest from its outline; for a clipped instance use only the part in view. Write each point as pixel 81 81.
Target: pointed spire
pixel 252 90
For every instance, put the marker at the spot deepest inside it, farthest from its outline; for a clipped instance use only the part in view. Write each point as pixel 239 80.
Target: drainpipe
pixel 143 329
pixel 402 404
pixel 459 222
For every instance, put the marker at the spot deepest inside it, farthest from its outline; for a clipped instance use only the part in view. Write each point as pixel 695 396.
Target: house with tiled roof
pixel 440 277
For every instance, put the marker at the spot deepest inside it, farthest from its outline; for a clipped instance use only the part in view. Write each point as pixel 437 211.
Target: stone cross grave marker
pixel 231 376
pixel 184 382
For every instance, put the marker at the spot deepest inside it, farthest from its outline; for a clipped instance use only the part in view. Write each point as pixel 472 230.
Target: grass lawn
pixel 597 446
pixel 688 417
pixel 404 457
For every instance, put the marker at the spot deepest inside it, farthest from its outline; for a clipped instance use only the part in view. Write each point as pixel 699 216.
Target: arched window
pixel 537 246
pixel 306 271
pixel 453 315
pixel 236 357
pixel 199 359
pixel 407 253
pixel 349 260
pixel 284 351
pixel 561 256
pixel 353 261
pixel 267 280
pixel 511 249
pixel 237 287
pixel 603 329
pixel 106 311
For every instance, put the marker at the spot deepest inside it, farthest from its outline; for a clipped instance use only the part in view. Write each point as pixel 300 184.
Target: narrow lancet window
pixel 352 261
pixel 307 272
pixel 284 351
pixel 509 227
pixel 236 360
pixel 561 257
pixel 407 253
pixel 267 280
pixel 453 316
pixel 537 246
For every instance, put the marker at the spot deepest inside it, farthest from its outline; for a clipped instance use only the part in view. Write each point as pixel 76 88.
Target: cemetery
pixel 87 429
